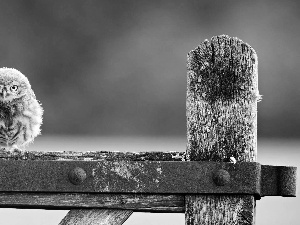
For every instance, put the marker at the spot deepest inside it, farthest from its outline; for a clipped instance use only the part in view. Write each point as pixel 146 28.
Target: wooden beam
pixel 89 204
pixel 222 95
pixel 115 213
pixel 93 155
pixel 96 217
pixel 135 202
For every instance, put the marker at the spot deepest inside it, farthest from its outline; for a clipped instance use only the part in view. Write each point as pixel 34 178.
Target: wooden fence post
pixel 222 95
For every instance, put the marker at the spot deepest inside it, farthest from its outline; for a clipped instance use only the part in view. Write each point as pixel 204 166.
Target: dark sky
pixel 119 67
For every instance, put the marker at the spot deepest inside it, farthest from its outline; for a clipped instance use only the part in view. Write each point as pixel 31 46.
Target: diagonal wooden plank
pixel 222 95
pixel 96 217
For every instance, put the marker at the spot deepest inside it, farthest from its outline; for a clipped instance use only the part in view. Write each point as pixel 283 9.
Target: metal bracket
pixel 152 177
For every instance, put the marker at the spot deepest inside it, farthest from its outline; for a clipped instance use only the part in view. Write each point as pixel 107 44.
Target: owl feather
pixel 20 112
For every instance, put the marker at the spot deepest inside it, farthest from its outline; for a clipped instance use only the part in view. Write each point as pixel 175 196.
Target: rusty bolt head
pixel 77 176
pixel 221 177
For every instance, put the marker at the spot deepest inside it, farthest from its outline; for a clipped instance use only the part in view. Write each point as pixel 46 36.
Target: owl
pixel 20 112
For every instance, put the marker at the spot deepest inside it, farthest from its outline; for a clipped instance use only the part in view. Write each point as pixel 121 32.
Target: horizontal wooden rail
pixel 134 202
pixel 159 180
pixel 94 155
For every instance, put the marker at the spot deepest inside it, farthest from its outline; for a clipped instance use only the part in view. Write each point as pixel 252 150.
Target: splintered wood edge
pixel 92 156
pixel 222 95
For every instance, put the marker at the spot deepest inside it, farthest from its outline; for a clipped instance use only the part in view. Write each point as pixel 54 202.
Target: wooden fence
pixel 222 96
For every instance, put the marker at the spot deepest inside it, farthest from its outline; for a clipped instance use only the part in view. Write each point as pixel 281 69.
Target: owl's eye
pixel 14 88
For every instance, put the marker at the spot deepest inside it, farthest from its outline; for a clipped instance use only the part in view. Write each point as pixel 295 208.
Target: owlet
pixel 20 112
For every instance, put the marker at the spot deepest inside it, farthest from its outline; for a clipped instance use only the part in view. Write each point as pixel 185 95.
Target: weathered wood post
pixel 222 95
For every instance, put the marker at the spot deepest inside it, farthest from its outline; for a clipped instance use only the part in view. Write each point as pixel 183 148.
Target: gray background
pixel 111 75
pixel 119 67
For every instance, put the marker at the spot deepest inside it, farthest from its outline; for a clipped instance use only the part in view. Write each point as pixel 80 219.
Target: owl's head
pixel 13 84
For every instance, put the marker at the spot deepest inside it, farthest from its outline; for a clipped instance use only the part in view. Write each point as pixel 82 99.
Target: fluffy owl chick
pixel 20 112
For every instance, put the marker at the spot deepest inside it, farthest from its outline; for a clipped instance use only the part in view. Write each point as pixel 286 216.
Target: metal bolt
pixel 77 176
pixel 221 177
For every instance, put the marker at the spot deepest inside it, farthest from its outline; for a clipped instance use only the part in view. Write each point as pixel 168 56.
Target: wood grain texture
pixel 96 217
pixel 222 95
pixel 91 156
pixel 134 202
